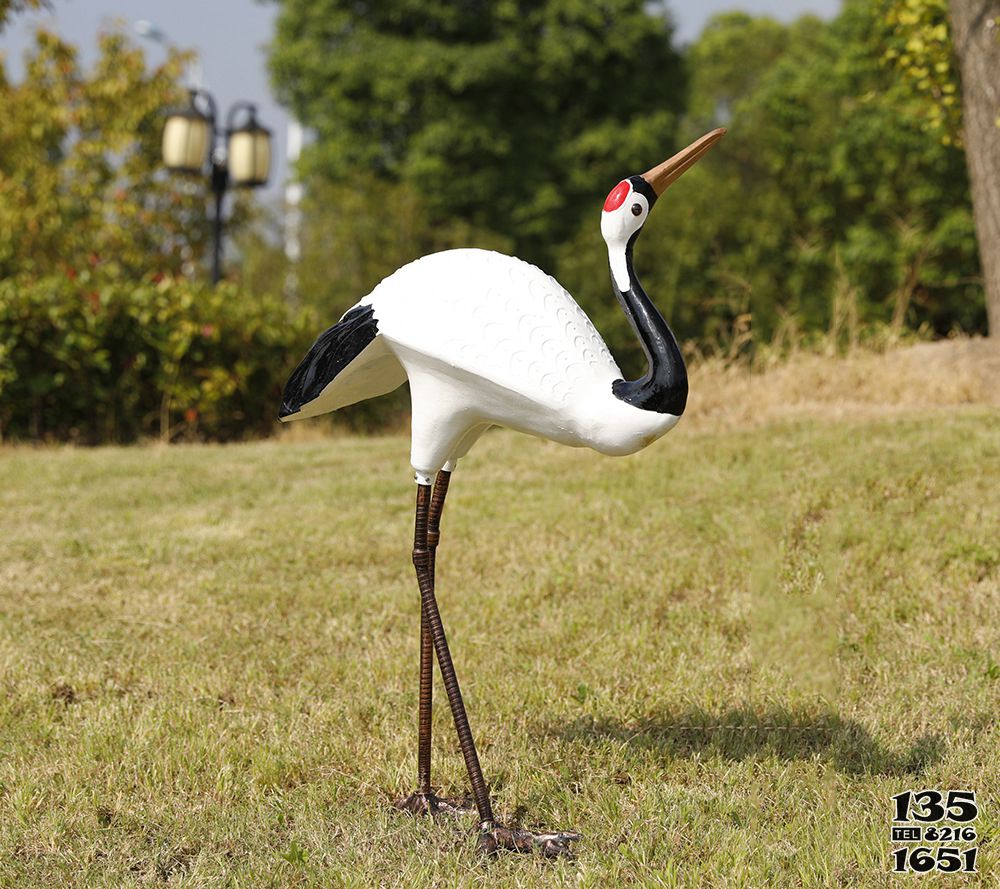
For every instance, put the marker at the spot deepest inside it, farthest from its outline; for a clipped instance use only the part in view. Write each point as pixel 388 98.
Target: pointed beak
pixel 665 174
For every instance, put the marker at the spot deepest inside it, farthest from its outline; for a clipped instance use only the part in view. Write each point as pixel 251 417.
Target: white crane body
pixel 487 339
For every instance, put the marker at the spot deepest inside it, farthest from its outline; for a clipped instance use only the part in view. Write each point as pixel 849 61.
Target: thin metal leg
pixel 493 837
pixel 426 699
pixel 426 642
pixel 422 560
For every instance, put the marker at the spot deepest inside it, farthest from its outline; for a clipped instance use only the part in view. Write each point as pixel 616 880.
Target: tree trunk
pixel 975 28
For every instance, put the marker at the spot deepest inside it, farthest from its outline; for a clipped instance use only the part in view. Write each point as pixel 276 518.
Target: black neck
pixel 664 387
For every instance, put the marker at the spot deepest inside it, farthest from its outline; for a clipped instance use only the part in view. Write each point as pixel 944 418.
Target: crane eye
pixel 637 209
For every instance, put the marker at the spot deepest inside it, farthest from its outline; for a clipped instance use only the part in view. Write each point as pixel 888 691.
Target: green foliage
pixel 506 115
pixel 831 205
pixel 918 46
pixel 100 339
pixel 80 173
pixel 98 360
pixel 341 225
pixel 828 204
pixel 353 234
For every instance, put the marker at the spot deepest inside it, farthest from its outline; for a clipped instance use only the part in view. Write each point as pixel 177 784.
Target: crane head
pixel 629 202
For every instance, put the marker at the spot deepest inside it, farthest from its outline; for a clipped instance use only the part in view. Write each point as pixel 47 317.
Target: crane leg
pixel 423 801
pixel 493 836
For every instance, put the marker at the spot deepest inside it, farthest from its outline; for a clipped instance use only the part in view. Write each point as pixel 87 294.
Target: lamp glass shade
pixel 185 141
pixel 249 156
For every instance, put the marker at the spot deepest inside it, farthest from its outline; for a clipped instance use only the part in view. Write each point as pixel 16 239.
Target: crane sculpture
pixel 488 340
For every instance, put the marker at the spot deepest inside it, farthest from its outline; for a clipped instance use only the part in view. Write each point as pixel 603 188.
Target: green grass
pixel 717 659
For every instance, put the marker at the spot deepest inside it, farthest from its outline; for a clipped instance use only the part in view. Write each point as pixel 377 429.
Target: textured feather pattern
pixel 498 318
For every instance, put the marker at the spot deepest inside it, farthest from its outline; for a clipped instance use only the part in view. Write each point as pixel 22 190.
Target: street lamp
pixel 238 155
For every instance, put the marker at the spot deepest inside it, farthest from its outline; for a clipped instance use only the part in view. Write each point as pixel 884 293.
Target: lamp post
pixel 238 156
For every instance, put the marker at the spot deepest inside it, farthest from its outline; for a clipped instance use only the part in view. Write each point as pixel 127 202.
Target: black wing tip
pixel 333 350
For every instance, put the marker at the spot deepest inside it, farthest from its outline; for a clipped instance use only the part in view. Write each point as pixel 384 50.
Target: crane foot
pixel 431 804
pixel 495 838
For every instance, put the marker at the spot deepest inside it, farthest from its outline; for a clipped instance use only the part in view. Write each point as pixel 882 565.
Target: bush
pixel 89 361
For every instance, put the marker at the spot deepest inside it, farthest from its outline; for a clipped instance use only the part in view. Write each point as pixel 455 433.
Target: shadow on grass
pixel 745 733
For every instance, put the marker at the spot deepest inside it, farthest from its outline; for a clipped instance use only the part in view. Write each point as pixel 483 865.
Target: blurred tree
pixel 701 259
pixel 828 201
pixel 831 206
pixel 921 46
pixel 918 45
pixel 100 338
pixel 346 247
pixel 81 181
pixel 9 7
pixel 506 115
pixel 976 28
pixel 727 62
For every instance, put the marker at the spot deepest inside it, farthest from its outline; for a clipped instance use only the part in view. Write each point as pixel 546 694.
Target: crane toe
pixel 552 844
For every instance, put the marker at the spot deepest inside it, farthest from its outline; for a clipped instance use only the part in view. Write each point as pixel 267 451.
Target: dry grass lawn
pixel 717 659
